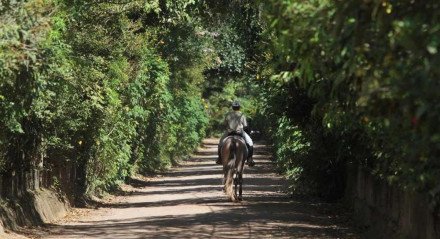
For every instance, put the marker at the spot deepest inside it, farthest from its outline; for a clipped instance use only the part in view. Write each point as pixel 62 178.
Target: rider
pixel 236 123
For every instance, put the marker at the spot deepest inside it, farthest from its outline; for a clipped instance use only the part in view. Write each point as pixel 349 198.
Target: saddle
pixel 235 133
pixel 240 137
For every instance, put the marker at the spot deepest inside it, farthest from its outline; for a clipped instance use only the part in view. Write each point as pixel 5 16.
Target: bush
pixel 369 68
pixel 84 88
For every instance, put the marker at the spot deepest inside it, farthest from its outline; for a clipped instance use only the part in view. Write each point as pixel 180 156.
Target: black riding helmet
pixel 235 105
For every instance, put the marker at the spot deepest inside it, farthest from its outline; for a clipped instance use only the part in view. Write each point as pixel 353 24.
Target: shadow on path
pixel 187 202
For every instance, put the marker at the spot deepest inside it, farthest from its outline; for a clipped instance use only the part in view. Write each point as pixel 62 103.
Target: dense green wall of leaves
pixel 90 82
pixel 355 82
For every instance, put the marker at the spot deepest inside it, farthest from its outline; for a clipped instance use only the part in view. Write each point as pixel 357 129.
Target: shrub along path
pixel 187 202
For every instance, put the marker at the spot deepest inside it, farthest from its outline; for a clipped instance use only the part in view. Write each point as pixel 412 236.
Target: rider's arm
pixel 245 124
pixel 244 121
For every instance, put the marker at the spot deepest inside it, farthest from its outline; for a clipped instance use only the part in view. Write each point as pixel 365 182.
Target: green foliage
pixel 136 107
pixel 369 68
pixel 82 82
pixel 27 59
pixel 232 41
pixel 152 111
pixel 290 144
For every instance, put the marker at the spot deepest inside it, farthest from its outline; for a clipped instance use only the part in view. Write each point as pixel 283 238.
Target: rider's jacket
pixel 235 122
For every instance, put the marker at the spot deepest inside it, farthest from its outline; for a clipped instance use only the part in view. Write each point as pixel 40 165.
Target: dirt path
pixel 188 202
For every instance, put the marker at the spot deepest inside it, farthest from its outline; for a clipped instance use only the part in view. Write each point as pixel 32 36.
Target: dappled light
pixel 188 202
pixel 104 106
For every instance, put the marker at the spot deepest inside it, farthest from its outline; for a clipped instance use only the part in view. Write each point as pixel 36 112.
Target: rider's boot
pixel 250 160
pixel 219 161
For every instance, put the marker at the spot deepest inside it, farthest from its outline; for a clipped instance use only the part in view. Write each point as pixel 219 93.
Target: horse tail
pixel 229 171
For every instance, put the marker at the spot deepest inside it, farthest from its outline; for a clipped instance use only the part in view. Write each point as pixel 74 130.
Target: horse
pixel 233 156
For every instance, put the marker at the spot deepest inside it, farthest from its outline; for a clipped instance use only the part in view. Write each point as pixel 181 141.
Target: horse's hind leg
pixel 240 183
pixel 225 176
pixel 236 181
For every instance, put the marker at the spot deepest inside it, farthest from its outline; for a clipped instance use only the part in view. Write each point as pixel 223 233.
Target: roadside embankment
pixel 31 209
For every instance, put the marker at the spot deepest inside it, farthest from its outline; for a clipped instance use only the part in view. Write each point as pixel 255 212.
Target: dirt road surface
pixel 188 202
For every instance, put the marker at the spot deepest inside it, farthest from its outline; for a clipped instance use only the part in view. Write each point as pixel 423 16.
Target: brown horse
pixel 233 155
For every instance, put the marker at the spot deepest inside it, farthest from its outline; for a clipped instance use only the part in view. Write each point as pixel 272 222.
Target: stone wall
pixel 385 211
